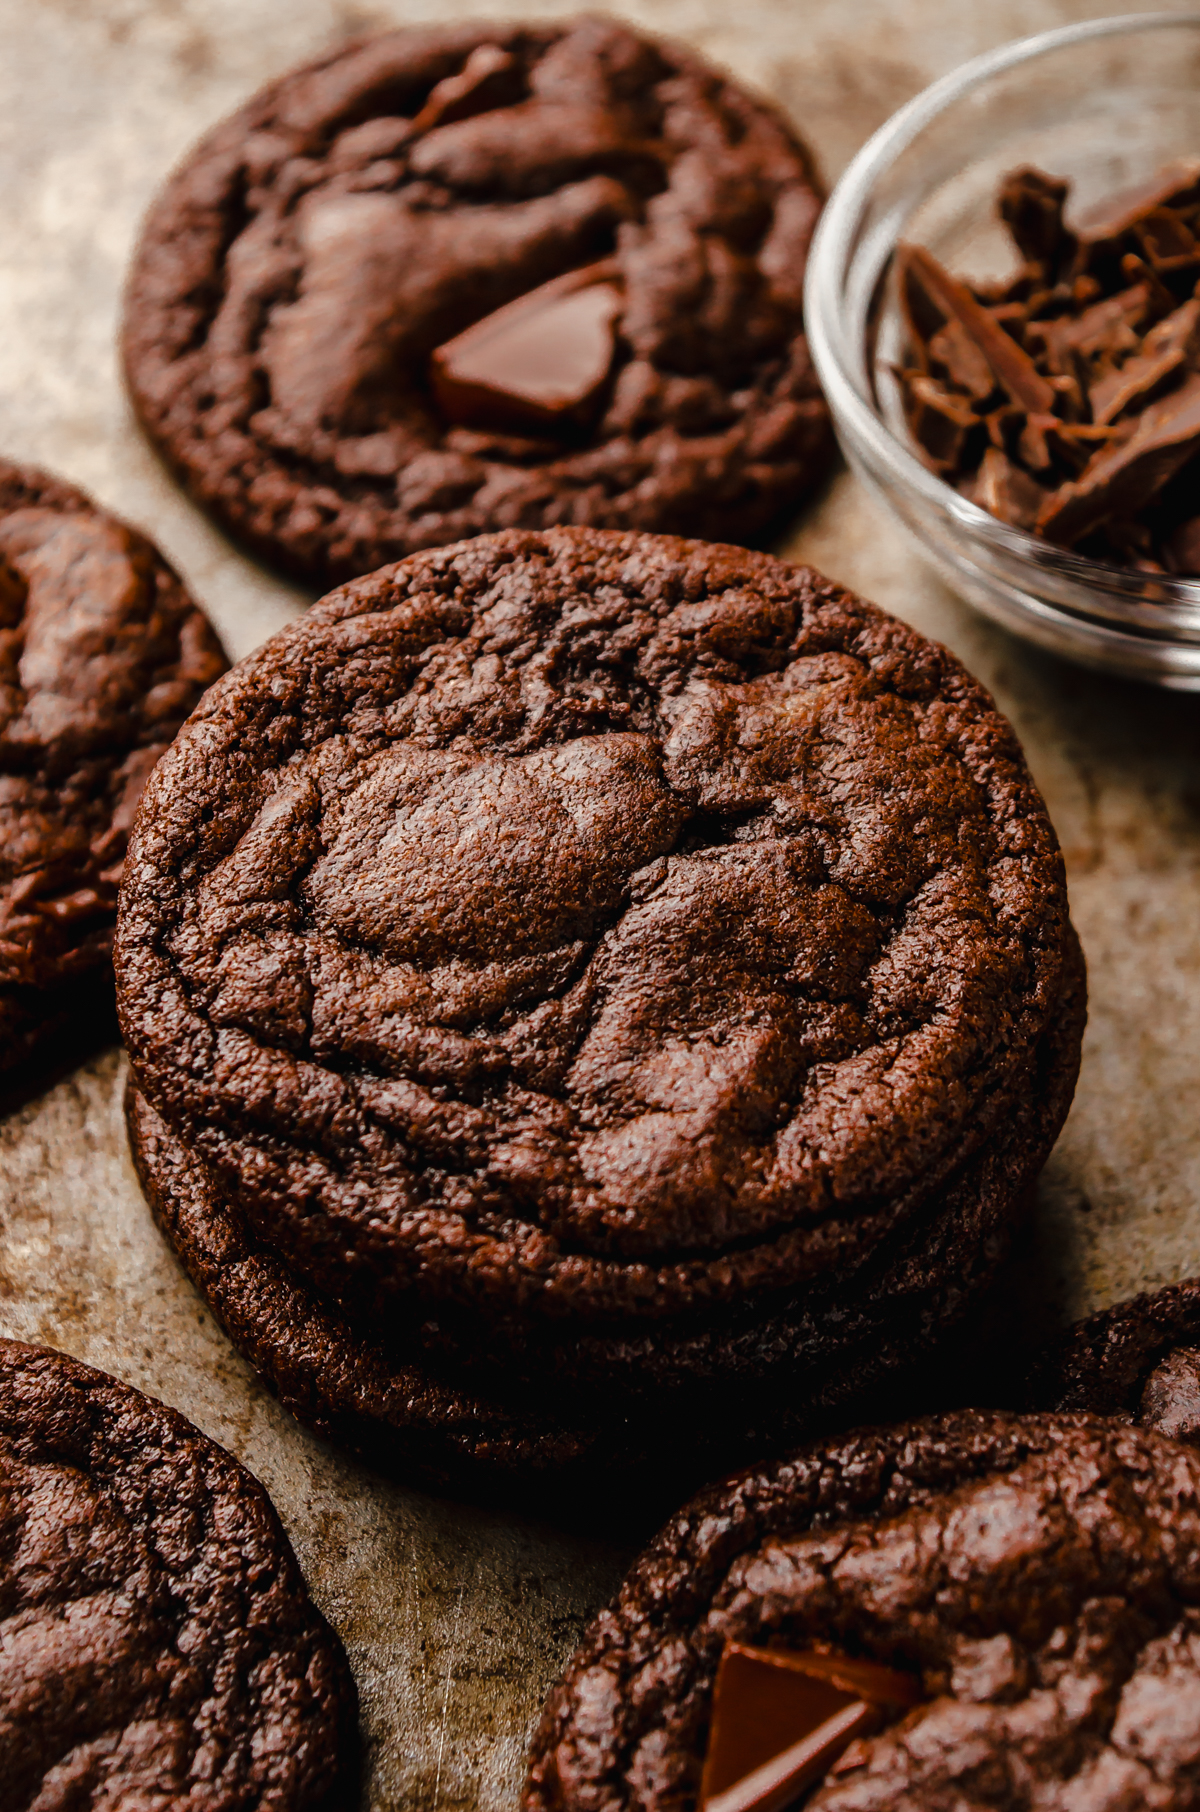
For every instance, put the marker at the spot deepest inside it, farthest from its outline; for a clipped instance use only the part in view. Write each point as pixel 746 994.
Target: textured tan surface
pixel 456 1620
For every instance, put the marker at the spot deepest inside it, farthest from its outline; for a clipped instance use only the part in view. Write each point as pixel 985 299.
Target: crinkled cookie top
pixel 157 1643
pixel 1039 1576
pixel 309 258
pixel 589 923
pixel 102 656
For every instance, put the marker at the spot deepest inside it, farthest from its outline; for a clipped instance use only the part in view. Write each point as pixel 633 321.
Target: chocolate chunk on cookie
pixel 102 656
pixel 472 277
pixel 159 1644
pixel 1033 1581
pixel 603 971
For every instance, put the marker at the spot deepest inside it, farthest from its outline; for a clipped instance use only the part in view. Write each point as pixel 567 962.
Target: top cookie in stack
pixel 473 277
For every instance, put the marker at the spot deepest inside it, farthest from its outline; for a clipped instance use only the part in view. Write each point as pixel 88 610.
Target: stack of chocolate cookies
pixel 595 1002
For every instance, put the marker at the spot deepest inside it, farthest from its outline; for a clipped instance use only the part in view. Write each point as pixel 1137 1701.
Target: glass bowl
pixel 1105 103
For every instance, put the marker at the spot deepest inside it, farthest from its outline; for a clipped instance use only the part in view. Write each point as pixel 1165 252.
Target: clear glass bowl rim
pixel 841 365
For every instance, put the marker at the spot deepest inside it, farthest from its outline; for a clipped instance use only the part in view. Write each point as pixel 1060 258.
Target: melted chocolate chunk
pixel 541 362
pixel 781 1720
pixel 1066 401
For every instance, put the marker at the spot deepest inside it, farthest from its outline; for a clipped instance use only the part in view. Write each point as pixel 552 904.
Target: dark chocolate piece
pixel 940 420
pixel 780 1720
pixel 542 361
pixel 1175 184
pixel 1012 366
pixel 1007 491
pixel 503 950
pixel 1031 206
pixel 1121 479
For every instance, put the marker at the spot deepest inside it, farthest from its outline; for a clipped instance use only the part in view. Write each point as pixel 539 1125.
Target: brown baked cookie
pixel 975 1611
pixel 158 1646
pixel 612 970
pixel 102 656
pixel 472 277
pixel 1139 1360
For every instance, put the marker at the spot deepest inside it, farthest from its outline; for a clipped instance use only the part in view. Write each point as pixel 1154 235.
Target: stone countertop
pixel 455 1619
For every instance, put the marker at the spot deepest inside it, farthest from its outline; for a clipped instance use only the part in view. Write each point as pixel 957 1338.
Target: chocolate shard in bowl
pixel 1121 479
pixel 1182 548
pixel 1175 185
pixel 782 1718
pixel 940 420
pixel 540 362
pixel 1165 350
pixel 1006 491
pixel 936 292
pixel 1031 206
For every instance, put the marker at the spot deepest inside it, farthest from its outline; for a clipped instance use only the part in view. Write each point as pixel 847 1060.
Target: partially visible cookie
pixel 975 1611
pixel 1139 1360
pixel 158 1647
pixel 102 656
pixel 471 277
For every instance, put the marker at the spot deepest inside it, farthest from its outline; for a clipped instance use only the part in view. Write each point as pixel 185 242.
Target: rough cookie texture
pixel 586 950
pixel 1040 1575
pixel 303 265
pixel 158 1647
pixel 607 1461
pixel 1139 1360
pixel 102 656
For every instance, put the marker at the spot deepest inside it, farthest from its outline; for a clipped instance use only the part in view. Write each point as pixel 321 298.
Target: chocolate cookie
pixel 975 1611
pixel 474 277
pixel 102 656
pixel 606 971
pixel 159 1645
pixel 1139 1360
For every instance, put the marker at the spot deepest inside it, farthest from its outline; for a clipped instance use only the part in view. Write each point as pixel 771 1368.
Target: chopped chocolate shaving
pixel 1066 400
pixel 1120 480
pixel 954 355
pixel 1007 491
pixel 1175 185
pixel 1031 207
pixel 1012 366
pixel 1136 270
pixel 940 420
pixel 1165 350
pixel 1182 549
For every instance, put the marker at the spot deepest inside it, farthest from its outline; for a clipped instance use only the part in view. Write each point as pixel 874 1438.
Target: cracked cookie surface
pixel 312 255
pixel 568 942
pixel 1037 1576
pixel 102 656
pixel 157 1643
